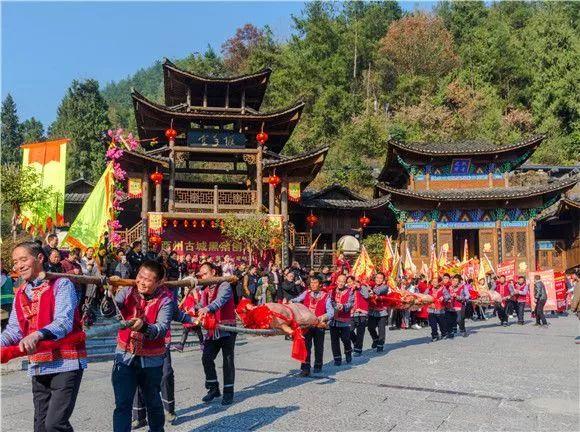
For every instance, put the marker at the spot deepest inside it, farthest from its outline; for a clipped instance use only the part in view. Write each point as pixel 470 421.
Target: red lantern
pixel 311 220
pixel 155 240
pixel 274 180
pixel 156 177
pixel 175 223
pixel 262 137
pixel 212 224
pixel 202 223
pixel 164 223
pixel 194 224
pixel 186 223
pixel 170 133
pixel 364 221
pixel 221 223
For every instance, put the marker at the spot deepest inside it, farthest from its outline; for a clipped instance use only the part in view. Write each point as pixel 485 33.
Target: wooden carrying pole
pixel 116 281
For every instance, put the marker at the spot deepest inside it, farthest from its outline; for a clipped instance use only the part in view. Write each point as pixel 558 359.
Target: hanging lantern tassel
pixel 175 223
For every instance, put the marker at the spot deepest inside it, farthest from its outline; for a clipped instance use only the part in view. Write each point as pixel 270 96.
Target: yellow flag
pixel 387 263
pixel 91 223
pixel 48 158
pixel 363 267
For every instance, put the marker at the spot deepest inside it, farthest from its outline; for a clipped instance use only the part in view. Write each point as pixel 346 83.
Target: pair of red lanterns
pixel 261 136
pixel 312 220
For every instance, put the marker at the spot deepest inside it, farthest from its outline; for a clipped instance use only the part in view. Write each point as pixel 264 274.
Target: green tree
pixel 31 130
pixel 22 186
pixel 255 233
pixel 82 117
pixel 375 245
pixel 11 138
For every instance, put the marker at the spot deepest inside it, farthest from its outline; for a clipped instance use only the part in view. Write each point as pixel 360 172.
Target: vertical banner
pixel 561 291
pixel 155 223
pixel 134 187
pixel 294 192
pixel 547 276
pixel 48 158
pixel 507 269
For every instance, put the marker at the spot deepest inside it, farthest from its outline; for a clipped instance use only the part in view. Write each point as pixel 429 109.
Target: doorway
pixel 459 238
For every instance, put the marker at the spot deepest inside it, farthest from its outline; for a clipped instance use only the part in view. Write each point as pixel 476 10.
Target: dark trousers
pixel 197 331
pixel 211 348
pixel 54 397
pixel 377 329
pixel 314 336
pixel 8 308
pixel 126 379
pixel 167 391
pixel 520 311
pixel 540 312
pixel 437 320
pixel 510 307
pixel 461 319
pixel 451 318
pixel 357 332
pixel 501 313
pixel 338 334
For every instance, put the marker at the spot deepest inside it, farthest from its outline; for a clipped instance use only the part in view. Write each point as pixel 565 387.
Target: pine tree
pixel 82 117
pixel 11 138
pixel 31 130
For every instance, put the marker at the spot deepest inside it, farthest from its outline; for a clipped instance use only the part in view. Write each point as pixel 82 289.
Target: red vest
pixel 455 292
pixel 502 288
pixel 519 297
pixel 227 314
pixel 379 303
pixel 316 305
pixel 36 313
pixel 437 294
pixel 341 297
pixel 135 306
pixel 361 304
pixel 188 306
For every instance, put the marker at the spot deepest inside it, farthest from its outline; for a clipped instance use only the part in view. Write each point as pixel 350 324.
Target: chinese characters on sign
pixel 216 139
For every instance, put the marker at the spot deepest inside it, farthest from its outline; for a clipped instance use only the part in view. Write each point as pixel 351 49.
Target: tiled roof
pixel 485 193
pixel 463 148
pixel 76 198
pixel 284 160
pixel 346 204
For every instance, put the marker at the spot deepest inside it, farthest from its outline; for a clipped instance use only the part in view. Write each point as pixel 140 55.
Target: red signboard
pixel 207 241
pixel 561 291
pixel 547 276
pixel 507 269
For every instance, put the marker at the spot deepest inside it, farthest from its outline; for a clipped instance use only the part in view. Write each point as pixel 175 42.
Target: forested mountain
pixel 368 71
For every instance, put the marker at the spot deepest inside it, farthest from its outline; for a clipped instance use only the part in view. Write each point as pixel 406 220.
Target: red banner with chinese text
pixel 561 291
pixel 507 269
pixel 207 241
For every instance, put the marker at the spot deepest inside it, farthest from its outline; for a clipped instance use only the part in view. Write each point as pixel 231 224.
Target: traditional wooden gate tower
pixel 210 151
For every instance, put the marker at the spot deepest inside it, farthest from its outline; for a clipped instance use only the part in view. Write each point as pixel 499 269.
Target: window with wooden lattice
pixel 424 245
pixel 521 244
pixel 509 245
pixel 543 259
pixel 412 244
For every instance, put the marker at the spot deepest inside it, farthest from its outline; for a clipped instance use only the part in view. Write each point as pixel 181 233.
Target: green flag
pixel 91 223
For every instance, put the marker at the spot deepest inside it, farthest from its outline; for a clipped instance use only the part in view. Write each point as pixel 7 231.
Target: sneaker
pixel 434 338
pixel 357 354
pixel 304 373
pixel 317 369
pixel 171 418
pixel 374 344
pixel 227 399
pixel 504 324
pixel 211 395
pixel 464 334
pixel 416 326
pixel 138 424
pixel 380 348
pixel 348 357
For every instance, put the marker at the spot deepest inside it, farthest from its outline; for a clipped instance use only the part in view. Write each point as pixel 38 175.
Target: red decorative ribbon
pixel 13 351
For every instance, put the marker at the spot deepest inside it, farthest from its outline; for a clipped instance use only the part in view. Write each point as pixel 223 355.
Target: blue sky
pixel 45 45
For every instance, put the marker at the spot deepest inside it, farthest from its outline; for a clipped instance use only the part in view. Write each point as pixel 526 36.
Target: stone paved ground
pixel 515 378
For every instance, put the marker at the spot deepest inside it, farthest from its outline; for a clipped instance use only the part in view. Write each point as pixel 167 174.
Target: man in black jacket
pixel 290 287
pixel 135 257
pixel 541 296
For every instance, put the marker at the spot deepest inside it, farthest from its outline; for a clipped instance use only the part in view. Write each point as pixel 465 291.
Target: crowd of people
pixel 44 312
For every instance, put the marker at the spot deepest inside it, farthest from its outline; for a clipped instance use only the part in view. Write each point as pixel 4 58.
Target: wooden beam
pixel 145 208
pixel 209 171
pixel 259 179
pixel 191 216
pixel 215 150
pixel 171 174
pixel 271 198
pixel 227 96
pixel 205 95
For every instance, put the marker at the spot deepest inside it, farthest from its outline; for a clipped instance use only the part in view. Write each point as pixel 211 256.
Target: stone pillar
pixel 145 210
